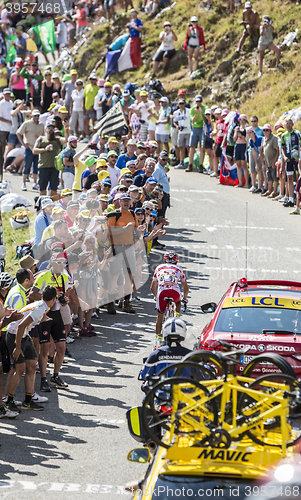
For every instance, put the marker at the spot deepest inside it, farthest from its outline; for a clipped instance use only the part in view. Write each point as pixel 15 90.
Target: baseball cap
pixel 131 142
pixel 52 105
pixel 57 244
pixel 113 139
pixel 19 64
pixel 125 93
pixel 55 75
pixel 130 162
pixel 241 117
pixel 163 153
pixel 35 112
pixel 167 23
pixel 100 82
pixel 139 209
pixel 194 19
pixel 208 111
pixel 90 161
pixel 63 109
pixel 164 99
pixel 127 177
pixel 133 188
pixel 181 101
pixel 112 153
pixel 104 197
pixel 2 61
pixel 46 203
pixel 72 203
pixel 85 214
pixel 102 175
pixel 217 111
pixel 248 5
pixel 66 192
pixel 57 209
pixel 198 97
pixel 181 92
pixel 153 144
pixel 143 93
pixel 124 196
pixel 55 94
pixel 107 181
pixel 82 196
pixel 107 84
pixel 72 138
pixel 93 76
pixel 141 145
pixel 267 126
pixel 154 213
pixel 6 91
pixel 101 163
pixel 125 170
pixel 73 72
pixel 225 112
pixel 151 180
pixel 79 80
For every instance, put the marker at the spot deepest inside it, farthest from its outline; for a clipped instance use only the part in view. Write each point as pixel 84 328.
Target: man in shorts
pixel 53 330
pixel 90 91
pixel 269 153
pixel 197 133
pixel 162 125
pixel 22 350
pixel 290 145
pixel 181 120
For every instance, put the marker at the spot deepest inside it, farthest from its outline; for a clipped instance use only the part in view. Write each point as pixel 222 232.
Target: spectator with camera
pixel 194 40
pixel 167 48
pixel 181 120
pixel 266 42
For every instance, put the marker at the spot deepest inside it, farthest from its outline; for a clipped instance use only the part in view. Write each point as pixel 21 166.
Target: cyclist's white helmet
pixel 6 280
pixel 174 329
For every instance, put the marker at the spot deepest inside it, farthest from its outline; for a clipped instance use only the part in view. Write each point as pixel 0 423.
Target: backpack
pixel 58 162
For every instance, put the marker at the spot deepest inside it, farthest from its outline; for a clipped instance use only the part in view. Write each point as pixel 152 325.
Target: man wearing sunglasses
pixel 90 92
pixel 48 147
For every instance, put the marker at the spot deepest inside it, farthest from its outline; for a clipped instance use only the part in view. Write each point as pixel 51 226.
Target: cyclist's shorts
pixel 167 293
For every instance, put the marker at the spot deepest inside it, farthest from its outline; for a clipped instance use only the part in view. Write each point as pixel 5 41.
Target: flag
pixel 228 173
pixel 112 121
pixel 119 60
pixel 46 33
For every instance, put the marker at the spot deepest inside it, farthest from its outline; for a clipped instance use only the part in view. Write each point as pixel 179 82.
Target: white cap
pixel 46 202
pixel 36 112
pixel 248 5
pixel 194 19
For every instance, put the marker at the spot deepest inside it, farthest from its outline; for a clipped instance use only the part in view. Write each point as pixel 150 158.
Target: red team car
pixel 264 316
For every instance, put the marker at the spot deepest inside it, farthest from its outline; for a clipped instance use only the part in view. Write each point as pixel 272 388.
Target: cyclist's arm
pixel 185 289
pixel 153 288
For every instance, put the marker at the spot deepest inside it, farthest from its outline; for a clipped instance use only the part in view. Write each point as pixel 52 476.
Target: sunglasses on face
pixel 265 130
pixel 60 261
pixel 163 159
pixel 79 84
pixel 148 209
pixel 47 74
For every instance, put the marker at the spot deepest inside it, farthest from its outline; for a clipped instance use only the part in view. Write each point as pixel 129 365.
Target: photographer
pixel 266 42
pixel 167 48
pixel 181 120
pixel 106 102
pixel 193 41
pixel 197 133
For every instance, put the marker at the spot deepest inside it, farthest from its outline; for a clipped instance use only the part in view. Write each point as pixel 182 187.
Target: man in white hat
pixel 27 134
pixel 250 22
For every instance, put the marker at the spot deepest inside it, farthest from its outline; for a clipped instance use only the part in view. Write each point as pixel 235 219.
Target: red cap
pixel 19 65
pixel 181 92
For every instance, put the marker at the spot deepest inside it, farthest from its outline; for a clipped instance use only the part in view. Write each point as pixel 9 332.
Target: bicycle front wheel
pixel 178 406
pixel 269 431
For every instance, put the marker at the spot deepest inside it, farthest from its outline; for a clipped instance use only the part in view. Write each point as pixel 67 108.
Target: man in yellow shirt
pixel 90 91
pixel 57 214
pixel 3 75
pixel 80 166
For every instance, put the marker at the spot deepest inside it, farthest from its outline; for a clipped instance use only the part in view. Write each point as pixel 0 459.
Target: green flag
pixel 46 33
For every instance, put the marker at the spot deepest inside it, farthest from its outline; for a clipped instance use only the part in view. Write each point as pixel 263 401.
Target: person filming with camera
pixel 266 42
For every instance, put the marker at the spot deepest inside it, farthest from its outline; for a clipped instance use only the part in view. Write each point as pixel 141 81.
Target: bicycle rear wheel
pixel 168 405
pixel 277 362
pixel 268 432
pixel 213 360
pixel 192 371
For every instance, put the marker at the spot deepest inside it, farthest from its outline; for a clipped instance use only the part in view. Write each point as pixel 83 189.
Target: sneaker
pixel 295 212
pixel 283 200
pixel 38 399
pixel 69 340
pixel 279 197
pixel 36 187
pixel 92 331
pixel 84 332
pixel 12 407
pixel 272 195
pixel 32 406
pixel 136 299
pixel 24 188
pixel 127 307
pixel 67 353
pixel 253 189
pixel 263 191
pixel 57 381
pixel 259 74
pixel 265 194
pixel 5 413
pixel 288 204
pixel 180 165
pixel 213 174
pixel 97 316
pixel 85 140
pixel 258 190
pixel 5 398
pixel 44 386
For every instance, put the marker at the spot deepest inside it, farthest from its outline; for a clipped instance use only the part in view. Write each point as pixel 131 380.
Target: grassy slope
pixel 12 238
pixel 239 88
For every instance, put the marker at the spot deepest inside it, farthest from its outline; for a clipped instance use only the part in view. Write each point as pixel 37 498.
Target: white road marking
pixel 64 487
pixel 216 226
pixel 204 191
pixel 220 268
pixel 211 229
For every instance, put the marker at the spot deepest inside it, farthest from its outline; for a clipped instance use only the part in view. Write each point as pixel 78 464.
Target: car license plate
pixel 246 359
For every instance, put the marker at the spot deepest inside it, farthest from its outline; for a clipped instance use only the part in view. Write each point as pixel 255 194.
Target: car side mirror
pixel 140 455
pixel 210 307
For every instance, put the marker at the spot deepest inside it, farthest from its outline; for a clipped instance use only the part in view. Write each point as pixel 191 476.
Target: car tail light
pixel 242 283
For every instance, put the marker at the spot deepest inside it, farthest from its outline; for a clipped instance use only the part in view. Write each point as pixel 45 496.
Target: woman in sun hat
pixel 193 41
pixel 167 48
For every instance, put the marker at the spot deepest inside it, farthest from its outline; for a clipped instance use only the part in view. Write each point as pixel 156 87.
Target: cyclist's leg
pixel 178 308
pixel 159 322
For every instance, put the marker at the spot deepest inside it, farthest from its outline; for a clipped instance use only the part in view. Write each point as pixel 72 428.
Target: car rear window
pixel 255 320
pixel 184 487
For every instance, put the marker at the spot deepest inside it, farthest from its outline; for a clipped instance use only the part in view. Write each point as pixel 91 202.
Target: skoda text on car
pixel 264 316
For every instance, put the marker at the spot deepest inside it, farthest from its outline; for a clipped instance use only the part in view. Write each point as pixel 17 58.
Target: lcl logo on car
pixel 261 347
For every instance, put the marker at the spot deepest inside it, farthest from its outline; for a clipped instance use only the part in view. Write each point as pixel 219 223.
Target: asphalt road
pixel 77 447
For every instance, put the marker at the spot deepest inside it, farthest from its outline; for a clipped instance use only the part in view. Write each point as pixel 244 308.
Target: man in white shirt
pixel 143 107
pixel 6 106
pixel 181 120
pixel 21 348
pixel 112 169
